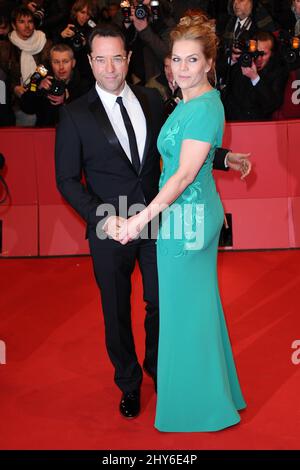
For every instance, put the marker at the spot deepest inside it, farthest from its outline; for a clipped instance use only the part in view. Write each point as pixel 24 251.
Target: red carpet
pixel 56 388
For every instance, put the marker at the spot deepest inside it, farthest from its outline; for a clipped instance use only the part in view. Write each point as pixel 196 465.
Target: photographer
pixel 76 34
pixel 247 17
pixel 167 87
pixel 148 38
pixel 7 117
pixel 27 47
pixel 256 91
pixel 49 15
pixel 62 86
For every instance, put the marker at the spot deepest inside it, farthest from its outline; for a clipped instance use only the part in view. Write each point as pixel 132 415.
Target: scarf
pixel 29 47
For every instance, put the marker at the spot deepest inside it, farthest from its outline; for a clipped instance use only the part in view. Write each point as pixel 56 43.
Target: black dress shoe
pixel 130 404
pixel 151 374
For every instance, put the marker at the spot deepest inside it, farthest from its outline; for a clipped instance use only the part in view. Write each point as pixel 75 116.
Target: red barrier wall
pixel 265 208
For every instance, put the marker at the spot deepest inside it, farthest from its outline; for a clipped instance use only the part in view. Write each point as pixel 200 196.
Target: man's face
pixel 24 27
pixel 242 8
pixel 111 67
pixel 62 65
pixel 266 47
pixel 296 5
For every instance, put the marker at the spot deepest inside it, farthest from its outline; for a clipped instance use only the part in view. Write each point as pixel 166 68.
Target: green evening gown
pixel 198 388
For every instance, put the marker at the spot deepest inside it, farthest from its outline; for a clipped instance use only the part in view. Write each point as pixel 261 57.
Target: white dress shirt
pixel 135 113
pixel 242 22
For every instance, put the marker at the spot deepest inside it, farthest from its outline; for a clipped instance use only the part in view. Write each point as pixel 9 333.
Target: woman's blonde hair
pixel 195 25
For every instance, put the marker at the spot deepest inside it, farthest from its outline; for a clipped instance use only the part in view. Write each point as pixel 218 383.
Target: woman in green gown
pixel 198 389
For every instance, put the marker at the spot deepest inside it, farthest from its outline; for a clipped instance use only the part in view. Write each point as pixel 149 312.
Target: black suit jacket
pixel 245 102
pixel 86 143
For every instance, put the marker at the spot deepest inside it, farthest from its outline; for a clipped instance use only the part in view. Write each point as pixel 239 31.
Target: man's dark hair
pixel 19 12
pixel 106 31
pixel 266 36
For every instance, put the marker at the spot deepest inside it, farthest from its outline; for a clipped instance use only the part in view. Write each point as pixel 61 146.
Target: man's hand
pixel 250 72
pixel 56 100
pixel 132 227
pixel 113 226
pixel 46 83
pixel 32 6
pixel 19 90
pixel 239 162
pixel 139 25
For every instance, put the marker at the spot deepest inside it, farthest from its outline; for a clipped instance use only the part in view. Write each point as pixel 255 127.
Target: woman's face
pixel 296 5
pixel 189 65
pixel 83 16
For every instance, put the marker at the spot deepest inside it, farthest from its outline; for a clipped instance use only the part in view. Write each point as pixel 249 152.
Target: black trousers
pixel 113 266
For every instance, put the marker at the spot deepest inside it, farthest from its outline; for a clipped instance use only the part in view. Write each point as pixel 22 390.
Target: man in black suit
pixel 110 135
pixel 255 92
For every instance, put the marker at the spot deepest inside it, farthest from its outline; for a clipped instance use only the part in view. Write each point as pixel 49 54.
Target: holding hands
pixel 125 230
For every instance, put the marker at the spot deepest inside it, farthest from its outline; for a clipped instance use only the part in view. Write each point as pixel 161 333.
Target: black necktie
pixel 131 135
pixel 238 30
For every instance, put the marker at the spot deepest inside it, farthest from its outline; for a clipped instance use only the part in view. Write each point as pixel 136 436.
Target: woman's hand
pixel 68 31
pixel 132 227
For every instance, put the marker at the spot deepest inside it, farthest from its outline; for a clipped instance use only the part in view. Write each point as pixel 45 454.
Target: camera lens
pixel 141 11
pixel 246 59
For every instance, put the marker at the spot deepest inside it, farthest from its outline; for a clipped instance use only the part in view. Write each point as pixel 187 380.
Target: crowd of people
pixel 258 54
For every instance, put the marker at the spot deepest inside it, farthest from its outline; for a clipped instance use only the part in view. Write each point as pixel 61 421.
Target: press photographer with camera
pixel 255 91
pixel 247 17
pixel 7 117
pixel 62 85
pixel 76 34
pixel 147 33
pixel 49 15
pixel 19 57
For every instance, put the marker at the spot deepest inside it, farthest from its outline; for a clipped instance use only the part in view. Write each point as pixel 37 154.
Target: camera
pixel 58 87
pixel 78 40
pixel 141 11
pixel 290 47
pixel 36 78
pixel 154 5
pixel 126 11
pixel 249 52
pixel 39 15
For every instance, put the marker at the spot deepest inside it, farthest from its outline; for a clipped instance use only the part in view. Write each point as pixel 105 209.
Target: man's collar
pixel 110 99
